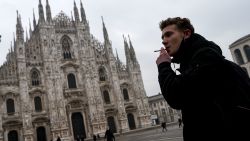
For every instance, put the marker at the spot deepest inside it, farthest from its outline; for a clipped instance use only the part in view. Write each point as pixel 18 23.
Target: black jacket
pixel 203 90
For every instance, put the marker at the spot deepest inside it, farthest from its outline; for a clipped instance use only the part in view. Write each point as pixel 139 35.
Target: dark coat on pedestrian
pixel 204 90
pixel 109 135
pixel 94 137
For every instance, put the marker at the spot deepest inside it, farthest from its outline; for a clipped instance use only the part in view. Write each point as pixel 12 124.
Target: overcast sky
pixel 222 21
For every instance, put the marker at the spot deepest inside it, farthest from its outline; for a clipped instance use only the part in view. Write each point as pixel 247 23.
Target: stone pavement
pixel 153 133
pixel 174 133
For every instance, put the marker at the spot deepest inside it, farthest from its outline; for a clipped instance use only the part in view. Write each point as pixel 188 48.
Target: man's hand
pixel 164 57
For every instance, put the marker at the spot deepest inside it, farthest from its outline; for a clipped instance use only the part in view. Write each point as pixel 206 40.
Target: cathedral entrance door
pixel 78 125
pixel 13 136
pixel 131 121
pixel 41 134
pixel 111 123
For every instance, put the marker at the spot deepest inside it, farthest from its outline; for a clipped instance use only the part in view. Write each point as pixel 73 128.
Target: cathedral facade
pixel 61 81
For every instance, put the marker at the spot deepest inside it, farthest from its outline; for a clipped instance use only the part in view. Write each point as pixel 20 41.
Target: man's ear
pixel 187 33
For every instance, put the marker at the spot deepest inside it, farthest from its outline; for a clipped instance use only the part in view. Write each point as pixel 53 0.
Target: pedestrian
pixel 206 81
pixel 77 138
pixel 109 135
pixel 94 137
pixel 164 126
pixel 58 139
pixel 180 122
pixel 98 136
pixel 82 138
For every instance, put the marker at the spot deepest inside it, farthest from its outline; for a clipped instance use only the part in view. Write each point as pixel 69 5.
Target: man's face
pixel 171 39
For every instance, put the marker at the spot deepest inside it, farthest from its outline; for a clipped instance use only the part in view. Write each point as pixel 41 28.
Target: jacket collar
pixel 188 47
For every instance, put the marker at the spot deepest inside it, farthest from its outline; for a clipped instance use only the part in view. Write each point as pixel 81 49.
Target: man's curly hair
pixel 181 23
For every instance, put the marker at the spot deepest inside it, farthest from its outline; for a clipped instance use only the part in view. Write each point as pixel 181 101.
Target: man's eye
pixel 167 34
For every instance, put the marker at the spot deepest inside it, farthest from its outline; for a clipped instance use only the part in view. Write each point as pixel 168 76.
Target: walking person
pixel 77 138
pixel 94 137
pixel 58 139
pixel 109 135
pixel 82 138
pixel 207 84
pixel 164 126
pixel 180 122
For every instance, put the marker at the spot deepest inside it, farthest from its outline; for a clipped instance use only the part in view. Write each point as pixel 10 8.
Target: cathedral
pixel 60 81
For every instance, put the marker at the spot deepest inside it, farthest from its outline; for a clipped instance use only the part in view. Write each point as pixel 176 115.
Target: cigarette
pixel 158 50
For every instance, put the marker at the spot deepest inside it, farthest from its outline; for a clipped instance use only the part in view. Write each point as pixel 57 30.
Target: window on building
pixel 102 74
pixel 35 77
pixel 10 106
pixel 125 94
pixel 106 97
pixel 171 112
pixel 38 104
pixel 66 48
pixel 71 81
pixel 154 104
pixel 247 52
pixel 238 57
pixel 156 113
pixel 163 110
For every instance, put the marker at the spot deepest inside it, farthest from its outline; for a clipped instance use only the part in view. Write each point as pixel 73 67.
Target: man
pixel 58 139
pixel 109 135
pixel 164 126
pixel 208 91
pixel 180 122
pixel 94 137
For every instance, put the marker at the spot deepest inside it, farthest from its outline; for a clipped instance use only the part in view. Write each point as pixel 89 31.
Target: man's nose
pixel 164 43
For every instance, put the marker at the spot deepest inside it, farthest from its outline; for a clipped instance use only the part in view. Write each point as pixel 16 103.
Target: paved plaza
pixel 174 133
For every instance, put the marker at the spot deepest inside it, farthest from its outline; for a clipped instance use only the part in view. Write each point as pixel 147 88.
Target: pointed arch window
pixel 102 74
pixel 238 57
pixel 10 106
pixel 38 104
pixel 35 78
pixel 247 52
pixel 66 48
pixel 106 97
pixel 125 94
pixel 71 81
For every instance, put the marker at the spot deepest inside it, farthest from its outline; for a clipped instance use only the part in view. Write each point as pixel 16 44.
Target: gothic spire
pixel 34 20
pixel 48 12
pixel 30 30
pixel 83 16
pixel 11 47
pixel 126 47
pixel 118 59
pixel 132 51
pixel 41 13
pixel 19 29
pixel 77 19
pixel 26 34
pixel 14 40
pixel 105 33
